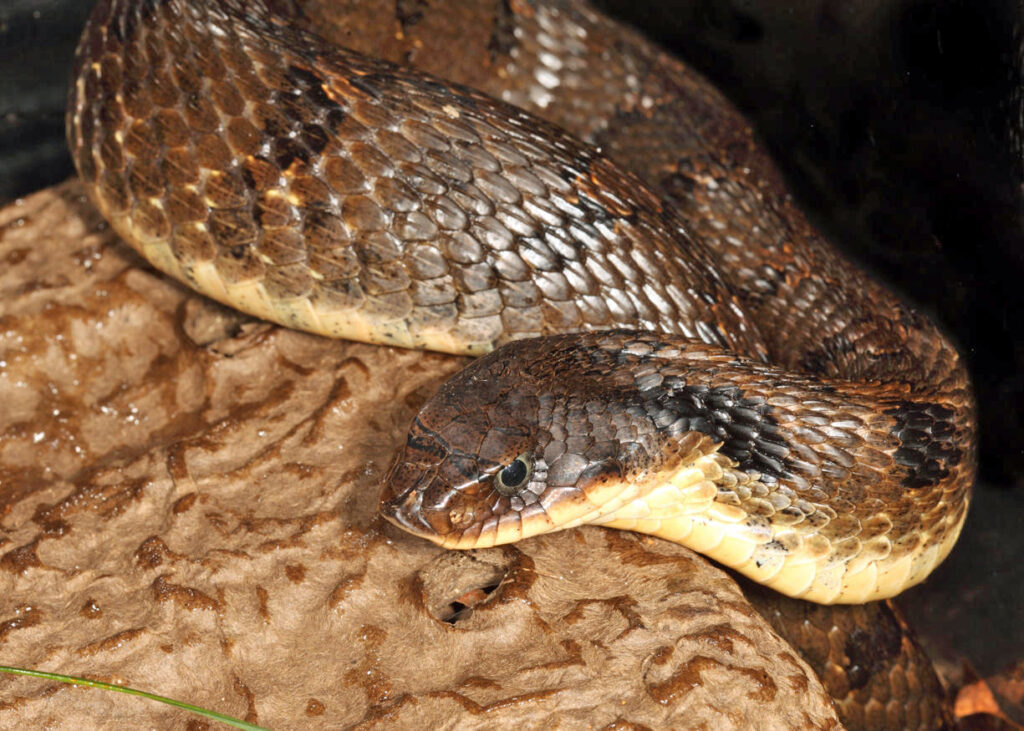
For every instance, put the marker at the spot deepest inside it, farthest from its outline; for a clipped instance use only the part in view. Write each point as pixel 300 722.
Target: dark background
pixel 900 124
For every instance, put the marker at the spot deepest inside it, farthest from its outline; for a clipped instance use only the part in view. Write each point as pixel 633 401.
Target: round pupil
pixel 515 473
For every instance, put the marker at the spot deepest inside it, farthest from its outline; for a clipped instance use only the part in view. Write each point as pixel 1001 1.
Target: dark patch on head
pixel 928 443
pixel 749 433
pixel 503 33
pixel 671 404
pixel 870 652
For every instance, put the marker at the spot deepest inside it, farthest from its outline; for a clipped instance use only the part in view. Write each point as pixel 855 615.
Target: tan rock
pixel 188 506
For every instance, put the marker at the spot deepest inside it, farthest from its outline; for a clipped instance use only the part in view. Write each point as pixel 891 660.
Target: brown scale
pixel 363 162
pixel 867 658
pixel 217 138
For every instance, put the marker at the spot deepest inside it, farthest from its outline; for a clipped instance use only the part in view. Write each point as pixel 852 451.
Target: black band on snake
pixel 676 350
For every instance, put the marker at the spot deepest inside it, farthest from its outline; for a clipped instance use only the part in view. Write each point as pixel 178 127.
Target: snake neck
pixel 832 491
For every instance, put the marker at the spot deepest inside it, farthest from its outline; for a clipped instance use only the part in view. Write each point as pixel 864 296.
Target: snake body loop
pixel 681 353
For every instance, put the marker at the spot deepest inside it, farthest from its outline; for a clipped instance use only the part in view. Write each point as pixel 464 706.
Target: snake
pixel 666 344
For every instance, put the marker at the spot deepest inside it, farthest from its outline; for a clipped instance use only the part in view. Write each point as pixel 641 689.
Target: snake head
pixel 501 452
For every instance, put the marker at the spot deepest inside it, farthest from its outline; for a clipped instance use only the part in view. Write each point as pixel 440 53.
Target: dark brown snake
pixel 769 404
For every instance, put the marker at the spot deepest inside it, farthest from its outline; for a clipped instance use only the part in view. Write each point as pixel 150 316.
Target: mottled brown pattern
pixel 325 190
pixel 370 194
pixel 870 663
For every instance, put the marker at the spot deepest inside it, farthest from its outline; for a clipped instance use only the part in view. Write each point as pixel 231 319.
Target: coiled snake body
pixel 681 353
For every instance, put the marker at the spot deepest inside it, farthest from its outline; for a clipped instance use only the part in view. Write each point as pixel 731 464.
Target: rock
pixel 188 506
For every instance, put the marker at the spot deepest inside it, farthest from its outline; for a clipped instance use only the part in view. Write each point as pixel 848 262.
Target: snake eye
pixel 514 475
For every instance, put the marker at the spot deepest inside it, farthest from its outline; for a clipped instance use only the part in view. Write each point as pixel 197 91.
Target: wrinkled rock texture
pixel 188 506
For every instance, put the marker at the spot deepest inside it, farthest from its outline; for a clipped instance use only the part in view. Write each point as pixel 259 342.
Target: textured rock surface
pixel 188 505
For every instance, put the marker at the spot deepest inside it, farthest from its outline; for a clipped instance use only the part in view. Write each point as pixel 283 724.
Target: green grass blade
pixel 229 720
